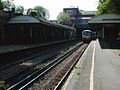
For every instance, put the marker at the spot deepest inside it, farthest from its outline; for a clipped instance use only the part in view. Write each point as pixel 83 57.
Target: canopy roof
pixel 56 24
pixel 24 19
pixel 105 18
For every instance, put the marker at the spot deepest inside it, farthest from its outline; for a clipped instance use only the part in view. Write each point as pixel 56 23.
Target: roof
pixel 106 18
pixel 86 18
pixel 24 19
pixel 87 30
pixel 70 8
pixel 55 24
pixel 88 12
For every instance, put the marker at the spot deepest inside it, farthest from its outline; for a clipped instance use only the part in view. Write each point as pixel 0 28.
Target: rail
pixel 33 77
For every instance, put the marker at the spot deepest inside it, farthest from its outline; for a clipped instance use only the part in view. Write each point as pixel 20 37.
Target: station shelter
pixel 107 27
pixel 22 29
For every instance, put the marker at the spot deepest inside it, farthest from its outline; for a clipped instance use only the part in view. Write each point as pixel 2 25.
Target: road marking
pixel 92 70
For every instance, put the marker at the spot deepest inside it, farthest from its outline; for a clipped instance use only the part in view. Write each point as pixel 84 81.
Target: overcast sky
pixel 56 6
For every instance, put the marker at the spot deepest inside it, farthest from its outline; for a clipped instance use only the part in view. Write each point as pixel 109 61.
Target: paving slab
pixel 106 71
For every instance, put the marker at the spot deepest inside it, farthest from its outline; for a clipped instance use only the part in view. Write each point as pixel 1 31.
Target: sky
pixel 56 6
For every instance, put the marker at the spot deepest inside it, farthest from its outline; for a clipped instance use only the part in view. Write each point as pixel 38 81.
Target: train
pixel 25 29
pixel 87 36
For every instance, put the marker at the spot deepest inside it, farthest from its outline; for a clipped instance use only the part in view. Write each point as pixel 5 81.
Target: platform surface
pixel 97 69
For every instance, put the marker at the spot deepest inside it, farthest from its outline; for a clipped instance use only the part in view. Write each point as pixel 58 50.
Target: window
pixel 70 12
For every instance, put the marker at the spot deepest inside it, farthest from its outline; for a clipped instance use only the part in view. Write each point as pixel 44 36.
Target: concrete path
pixel 98 69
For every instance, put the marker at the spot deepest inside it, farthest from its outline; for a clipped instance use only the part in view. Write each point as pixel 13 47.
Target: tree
pixel 19 9
pixel 117 4
pixel 32 12
pixel 7 5
pixel 44 13
pixel 39 11
pixel 63 17
pixel 1 4
pixel 107 7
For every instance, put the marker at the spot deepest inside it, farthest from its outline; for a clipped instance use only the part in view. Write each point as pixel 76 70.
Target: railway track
pixel 65 76
pixel 23 72
pixel 29 61
pixel 28 66
pixel 16 54
pixel 54 79
pixel 9 77
pixel 26 82
pixel 26 54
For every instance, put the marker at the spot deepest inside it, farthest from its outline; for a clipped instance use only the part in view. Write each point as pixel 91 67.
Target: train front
pixel 87 36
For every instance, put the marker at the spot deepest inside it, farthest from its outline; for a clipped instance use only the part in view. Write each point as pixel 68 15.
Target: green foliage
pixel 39 11
pixel 7 5
pixel 117 4
pixel 106 7
pixel 19 9
pixel 62 17
pixel 44 13
pixel 32 12
pixel 1 4
pixel 2 85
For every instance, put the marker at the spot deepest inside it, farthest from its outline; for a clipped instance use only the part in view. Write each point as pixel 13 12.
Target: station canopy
pixel 105 18
pixel 23 19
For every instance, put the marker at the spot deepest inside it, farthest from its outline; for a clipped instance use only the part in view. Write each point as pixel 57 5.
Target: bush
pixel 2 85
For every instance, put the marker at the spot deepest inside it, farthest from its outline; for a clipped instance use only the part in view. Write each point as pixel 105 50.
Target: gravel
pixel 51 79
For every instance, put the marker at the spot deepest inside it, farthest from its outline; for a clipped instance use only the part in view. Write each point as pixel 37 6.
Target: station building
pixel 108 28
pixel 87 15
pixel 79 19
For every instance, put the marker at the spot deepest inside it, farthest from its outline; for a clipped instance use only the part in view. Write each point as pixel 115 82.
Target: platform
pixel 13 47
pixel 98 69
pixel 16 47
